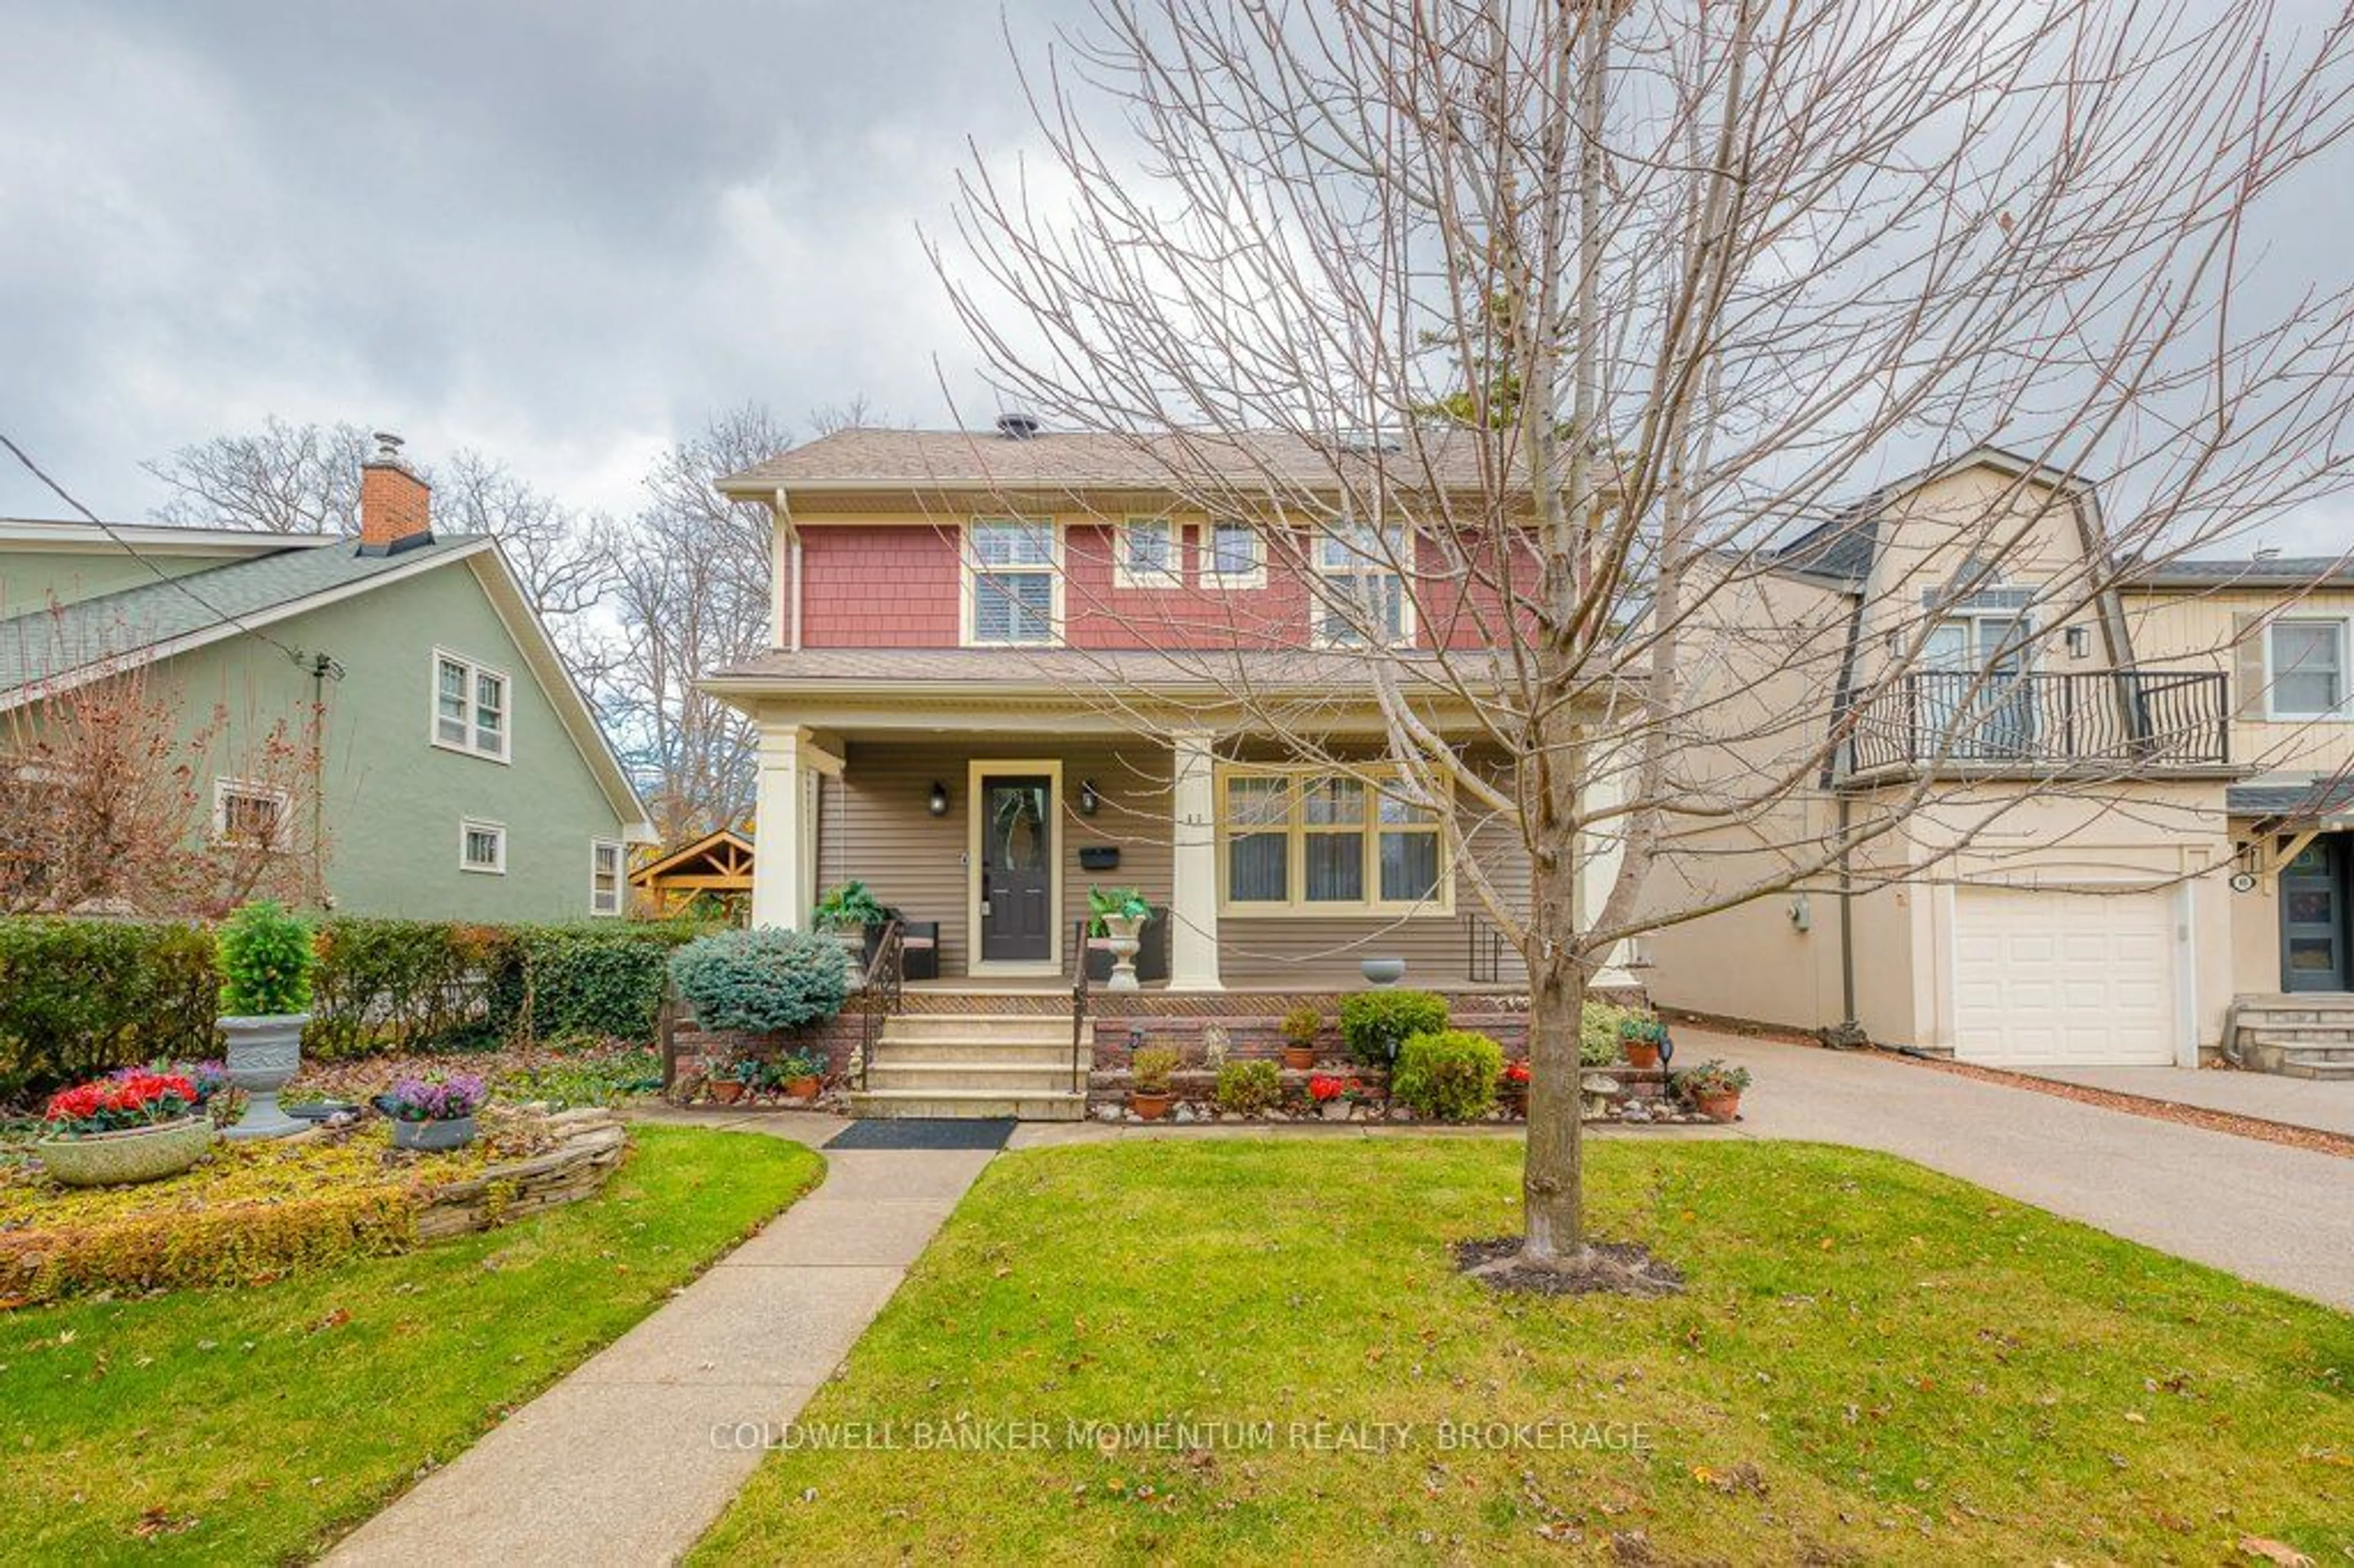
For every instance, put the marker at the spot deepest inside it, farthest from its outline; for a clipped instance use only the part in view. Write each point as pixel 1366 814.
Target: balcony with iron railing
pixel 2130 723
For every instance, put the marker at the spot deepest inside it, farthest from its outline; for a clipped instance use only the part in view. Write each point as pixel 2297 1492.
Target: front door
pixel 1017 868
pixel 2313 917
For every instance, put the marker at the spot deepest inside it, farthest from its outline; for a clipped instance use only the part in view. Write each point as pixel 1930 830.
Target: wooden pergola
pixel 711 875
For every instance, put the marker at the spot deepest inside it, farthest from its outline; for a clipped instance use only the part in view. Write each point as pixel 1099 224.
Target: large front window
pixel 2308 668
pixel 1010 570
pixel 1300 840
pixel 1361 594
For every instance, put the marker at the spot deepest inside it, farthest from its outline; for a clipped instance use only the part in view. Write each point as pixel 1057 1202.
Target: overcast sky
pixel 559 239
pixel 561 233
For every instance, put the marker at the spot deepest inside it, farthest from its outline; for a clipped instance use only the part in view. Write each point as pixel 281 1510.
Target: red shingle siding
pixel 878 586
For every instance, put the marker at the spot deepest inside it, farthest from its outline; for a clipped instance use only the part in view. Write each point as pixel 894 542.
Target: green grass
pixel 257 1426
pixel 1873 1364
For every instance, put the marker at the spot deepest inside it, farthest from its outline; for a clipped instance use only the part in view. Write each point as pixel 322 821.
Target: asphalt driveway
pixel 2279 1215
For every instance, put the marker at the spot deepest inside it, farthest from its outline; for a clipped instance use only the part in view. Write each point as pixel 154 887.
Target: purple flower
pixel 440 1097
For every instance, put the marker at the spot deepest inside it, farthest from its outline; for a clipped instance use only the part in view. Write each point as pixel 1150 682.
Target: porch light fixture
pixel 1088 798
pixel 939 801
pixel 2080 641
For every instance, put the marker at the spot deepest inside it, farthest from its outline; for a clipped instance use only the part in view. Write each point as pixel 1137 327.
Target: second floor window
pixel 1230 557
pixel 1012 591
pixel 470 707
pixel 1148 556
pixel 2308 668
pixel 1360 597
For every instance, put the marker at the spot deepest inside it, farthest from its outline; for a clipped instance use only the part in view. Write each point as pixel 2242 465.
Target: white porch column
pixel 784 863
pixel 1600 857
pixel 1193 866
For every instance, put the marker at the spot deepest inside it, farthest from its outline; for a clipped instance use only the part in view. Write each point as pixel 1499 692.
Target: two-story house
pixel 454 770
pixel 2111 792
pixel 1010 665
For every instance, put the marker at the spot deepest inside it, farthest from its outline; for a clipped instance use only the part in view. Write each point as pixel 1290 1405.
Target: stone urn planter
pixel 434 1137
pixel 1124 933
pixel 264 1051
pixel 133 1154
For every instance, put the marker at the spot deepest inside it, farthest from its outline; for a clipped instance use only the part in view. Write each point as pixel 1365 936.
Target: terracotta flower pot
pixel 727 1091
pixel 804 1089
pixel 1148 1107
pixel 1723 1107
pixel 1299 1058
pixel 1643 1055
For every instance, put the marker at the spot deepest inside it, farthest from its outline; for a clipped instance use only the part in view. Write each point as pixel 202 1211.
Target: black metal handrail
pixel 880 995
pixel 1078 1004
pixel 1485 962
pixel 2131 720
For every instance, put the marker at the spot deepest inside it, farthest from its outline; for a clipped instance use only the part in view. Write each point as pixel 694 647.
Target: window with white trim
pixel 2308 667
pixel 1148 553
pixel 471 704
pixel 248 815
pixel 1361 592
pixel 1310 842
pixel 1231 557
pixel 482 846
pixel 604 876
pixel 1014 587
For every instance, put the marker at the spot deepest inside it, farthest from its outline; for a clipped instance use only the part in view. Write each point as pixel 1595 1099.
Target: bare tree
pixel 1592 316
pixel 281 479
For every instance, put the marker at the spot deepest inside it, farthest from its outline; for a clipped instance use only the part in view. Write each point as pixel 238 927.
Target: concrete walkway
pixel 2297 1102
pixel 632 1456
pixel 2279 1216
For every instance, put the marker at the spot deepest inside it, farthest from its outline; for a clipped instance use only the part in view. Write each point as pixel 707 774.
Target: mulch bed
pixel 1618 1268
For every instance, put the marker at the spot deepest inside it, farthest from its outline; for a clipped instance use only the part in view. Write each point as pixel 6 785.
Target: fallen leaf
pixel 2279 1552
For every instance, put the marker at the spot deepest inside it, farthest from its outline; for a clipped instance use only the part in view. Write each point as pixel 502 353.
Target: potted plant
pixel 264 956
pixel 1714 1090
pixel 1152 1069
pixel 1299 1028
pixel 735 1079
pixel 1333 1098
pixel 435 1112
pixel 804 1073
pixel 851 914
pixel 1644 1043
pixel 1516 1085
pixel 1119 914
pixel 131 1126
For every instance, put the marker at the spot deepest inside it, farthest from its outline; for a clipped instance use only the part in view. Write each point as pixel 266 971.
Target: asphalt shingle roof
pixel 1079 668
pixel 45 643
pixel 2315 798
pixel 1447 457
pixel 2273 571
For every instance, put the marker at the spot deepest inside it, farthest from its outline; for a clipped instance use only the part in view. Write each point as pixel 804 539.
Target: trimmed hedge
pixel 1449 1073
pixel 1375 1023
pixel 78 998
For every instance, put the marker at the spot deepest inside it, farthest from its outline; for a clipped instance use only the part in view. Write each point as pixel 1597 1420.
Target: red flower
pixel 1322 1088
pixel 133 1099
pixel 1516 1073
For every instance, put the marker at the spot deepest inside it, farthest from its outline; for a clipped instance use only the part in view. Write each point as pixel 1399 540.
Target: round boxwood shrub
pixel 1249 1087
pixel 1449 1073
pixel 762 981
pixel 1375 1023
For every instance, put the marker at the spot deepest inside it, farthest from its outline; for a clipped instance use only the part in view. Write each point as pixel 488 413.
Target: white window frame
pixel 596 847
pixel 1125 575
pixel 972 569
pixel 1209 574
pixel 1381 783
pixel 471 825
pixel 475 670
pixel 1389 543
pixel 223 788
pixel 2343 712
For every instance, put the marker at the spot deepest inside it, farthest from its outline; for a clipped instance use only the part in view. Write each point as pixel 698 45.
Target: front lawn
pixel 257 1424
pixel 1873 1364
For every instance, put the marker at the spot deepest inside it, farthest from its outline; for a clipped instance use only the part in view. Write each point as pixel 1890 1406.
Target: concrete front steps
pixel 2298 1036
pixel 977 1066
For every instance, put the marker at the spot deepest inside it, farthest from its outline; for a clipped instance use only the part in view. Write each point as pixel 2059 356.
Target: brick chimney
pixel 396 506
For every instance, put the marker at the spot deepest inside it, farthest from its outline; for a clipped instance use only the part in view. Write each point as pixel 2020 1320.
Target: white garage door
pixel 2053 978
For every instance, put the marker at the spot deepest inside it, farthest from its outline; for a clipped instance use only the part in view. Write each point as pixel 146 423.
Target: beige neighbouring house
pixel 2120 826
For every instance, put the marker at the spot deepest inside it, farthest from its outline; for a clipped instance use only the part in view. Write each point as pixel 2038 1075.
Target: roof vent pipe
pixel 1017 427
pixel 2268 552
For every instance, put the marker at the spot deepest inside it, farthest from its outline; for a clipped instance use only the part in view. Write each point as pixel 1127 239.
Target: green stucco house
pixel 453 771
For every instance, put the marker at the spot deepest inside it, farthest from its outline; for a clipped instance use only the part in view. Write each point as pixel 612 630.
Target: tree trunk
pixel 1553 1177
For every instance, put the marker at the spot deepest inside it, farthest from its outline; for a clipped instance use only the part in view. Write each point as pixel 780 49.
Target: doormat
pixel 908 1132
